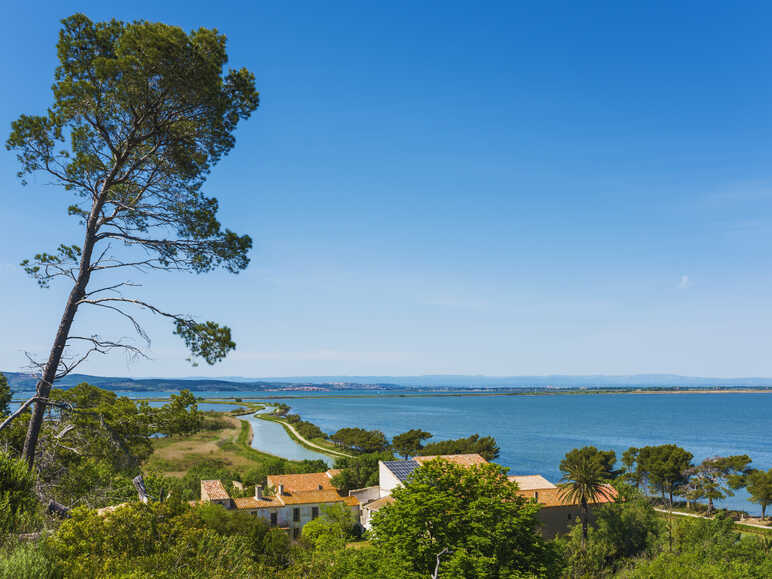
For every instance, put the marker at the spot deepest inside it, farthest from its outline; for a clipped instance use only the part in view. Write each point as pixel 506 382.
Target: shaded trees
pixel 759 484
pixel 361 440
pixel 142 112
pixel 665 467
pixel 359 471
pixel 717 477
pixel 485 446
pixel 409 443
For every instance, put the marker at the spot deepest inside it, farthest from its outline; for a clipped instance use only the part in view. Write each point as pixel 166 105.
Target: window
pixel 296 514
pixel 314 512
pixel 274 519
pixel 569 516
pixel 536 495
pixel 295 533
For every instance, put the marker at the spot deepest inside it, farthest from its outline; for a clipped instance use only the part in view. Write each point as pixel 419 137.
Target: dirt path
pixel 696 516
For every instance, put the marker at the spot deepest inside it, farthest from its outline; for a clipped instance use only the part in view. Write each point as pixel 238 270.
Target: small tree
pixel 410 443
pixel 759 485
pixel 586 472
pixel 141 113
pixel 17 497
pixel 717 477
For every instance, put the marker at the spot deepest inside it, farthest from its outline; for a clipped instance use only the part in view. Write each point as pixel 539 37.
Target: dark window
pixel 295 533
pixel 536 495
pixel 274 519
pixel 296 514
pixel 569 516
pixel 314 512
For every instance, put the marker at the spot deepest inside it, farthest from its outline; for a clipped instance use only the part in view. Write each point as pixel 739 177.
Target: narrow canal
pixel 271 437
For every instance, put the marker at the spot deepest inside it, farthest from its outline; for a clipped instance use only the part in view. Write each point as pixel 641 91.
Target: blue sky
pixel 444 187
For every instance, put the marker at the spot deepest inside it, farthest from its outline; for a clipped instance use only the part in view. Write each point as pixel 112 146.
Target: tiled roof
pixel 379 503
pixel 531 482
pixel 307 497
pixel 401 469
pixel 303 482
pixel 461 459
pixel 214 490
pixel 253 503
pixel 554 497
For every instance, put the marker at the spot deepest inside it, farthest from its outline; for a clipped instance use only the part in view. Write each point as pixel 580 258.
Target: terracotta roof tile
pixel 308 497
pixel 214 490
pixel 554 497
pixel 303 482
pixel 531 482
pixel 462 459
pixel 253 503
pixel 380 503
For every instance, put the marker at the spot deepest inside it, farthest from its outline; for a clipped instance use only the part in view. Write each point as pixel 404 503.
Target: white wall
pixel 386 479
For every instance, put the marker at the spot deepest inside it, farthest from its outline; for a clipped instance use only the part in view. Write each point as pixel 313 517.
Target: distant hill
pixel 20 381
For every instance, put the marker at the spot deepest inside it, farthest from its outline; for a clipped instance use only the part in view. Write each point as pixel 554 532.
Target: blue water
pixel 271 437
pixel 534 432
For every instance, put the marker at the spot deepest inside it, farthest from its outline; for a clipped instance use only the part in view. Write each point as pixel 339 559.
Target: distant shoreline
pixel 294 394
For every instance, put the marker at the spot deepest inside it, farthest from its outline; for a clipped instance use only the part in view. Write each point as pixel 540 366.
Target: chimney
pixel 259 492
pixel 281 489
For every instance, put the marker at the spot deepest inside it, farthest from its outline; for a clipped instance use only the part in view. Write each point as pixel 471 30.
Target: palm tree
pixel 584 482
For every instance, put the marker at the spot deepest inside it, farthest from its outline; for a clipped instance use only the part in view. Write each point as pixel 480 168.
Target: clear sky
pixel 498 188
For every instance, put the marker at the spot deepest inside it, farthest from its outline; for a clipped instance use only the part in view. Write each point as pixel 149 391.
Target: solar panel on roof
pixel 402 469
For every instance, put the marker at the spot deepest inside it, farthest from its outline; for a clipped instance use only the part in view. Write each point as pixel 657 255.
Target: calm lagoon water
pixel 534 432
pixel 271 437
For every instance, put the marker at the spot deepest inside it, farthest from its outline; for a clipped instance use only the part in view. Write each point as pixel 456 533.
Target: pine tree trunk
pixel 46 381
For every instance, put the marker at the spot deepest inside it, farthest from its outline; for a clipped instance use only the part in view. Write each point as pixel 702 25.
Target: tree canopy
pixel 361 440
pixel 142 111
pixel 410 443
pixel 485 446
pixel 759 486
pixel 473 518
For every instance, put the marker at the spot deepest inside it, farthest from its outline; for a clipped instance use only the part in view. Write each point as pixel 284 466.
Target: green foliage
pixel 626 529
pixel 180 416
pixel 361 440
pixel 141 113
pixel 5 396
pixel 665 467
pixel 359 471
pixel 332 529
pixel 26 561
pixel 485 446
pixel 337 562
pixel 17 496
pixel 106 426
pixel 707 548
pixel 410 443
pixel 307 430
pixel 167 540
pixel 474 512
pixel 716 478
pixel 586 472
pixel 759 485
